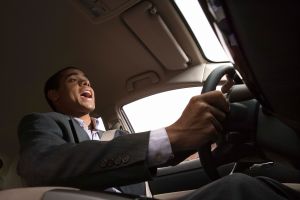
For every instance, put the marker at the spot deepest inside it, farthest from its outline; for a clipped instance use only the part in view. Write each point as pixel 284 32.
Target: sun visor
pixel 100 11
pixel 146 23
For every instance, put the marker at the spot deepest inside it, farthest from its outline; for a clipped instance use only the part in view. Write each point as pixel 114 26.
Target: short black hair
pixel 53 84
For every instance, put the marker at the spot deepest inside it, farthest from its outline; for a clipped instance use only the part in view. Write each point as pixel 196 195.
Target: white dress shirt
pixel 159 149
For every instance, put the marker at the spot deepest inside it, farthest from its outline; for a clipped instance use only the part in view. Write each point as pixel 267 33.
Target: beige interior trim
pixel 144 20
pixel 108 135
pixel 29 193
pixel 294 186
pixel 142 80
pixel 148 191
pixel 103 10
pixel 172 195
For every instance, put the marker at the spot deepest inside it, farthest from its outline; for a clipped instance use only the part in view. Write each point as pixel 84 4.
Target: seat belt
pixel 108 135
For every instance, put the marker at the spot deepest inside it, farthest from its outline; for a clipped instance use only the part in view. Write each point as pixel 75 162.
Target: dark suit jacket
pixel 55 150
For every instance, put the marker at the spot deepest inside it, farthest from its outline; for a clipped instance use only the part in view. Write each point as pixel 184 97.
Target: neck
pixel 82 115
pixel 86 118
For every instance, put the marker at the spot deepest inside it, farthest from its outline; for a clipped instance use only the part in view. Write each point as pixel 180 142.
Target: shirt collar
pixel 95 123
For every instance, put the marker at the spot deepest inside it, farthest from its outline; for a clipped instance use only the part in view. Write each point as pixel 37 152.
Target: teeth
pixel 86 94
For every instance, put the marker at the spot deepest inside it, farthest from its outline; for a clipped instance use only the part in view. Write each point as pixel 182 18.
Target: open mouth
pixel 86 94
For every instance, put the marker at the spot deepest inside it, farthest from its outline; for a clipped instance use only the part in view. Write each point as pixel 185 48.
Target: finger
pixel 216 99
pixel 218 128
pixel 218 114
pixel 227 85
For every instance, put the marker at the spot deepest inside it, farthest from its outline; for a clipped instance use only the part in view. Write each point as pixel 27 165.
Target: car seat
pixel 8 173
pixel 266 50
pixel 263 39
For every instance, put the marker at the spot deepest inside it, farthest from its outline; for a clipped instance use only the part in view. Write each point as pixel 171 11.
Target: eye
pixel 72 80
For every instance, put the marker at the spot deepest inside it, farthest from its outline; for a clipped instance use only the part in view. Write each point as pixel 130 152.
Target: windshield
pixel 199 25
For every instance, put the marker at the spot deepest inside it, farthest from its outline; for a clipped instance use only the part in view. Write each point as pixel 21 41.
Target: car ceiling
pixel 41 37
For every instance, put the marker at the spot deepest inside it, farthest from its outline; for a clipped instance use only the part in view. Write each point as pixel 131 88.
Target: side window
pixel 101 124
pixel 159 110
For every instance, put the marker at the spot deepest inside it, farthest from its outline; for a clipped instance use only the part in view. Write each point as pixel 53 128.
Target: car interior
pixel 132 49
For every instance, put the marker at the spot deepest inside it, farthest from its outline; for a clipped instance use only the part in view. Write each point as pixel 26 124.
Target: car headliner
pixel 41 37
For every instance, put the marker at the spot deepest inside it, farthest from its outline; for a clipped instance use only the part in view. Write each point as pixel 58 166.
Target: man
pixel 64 147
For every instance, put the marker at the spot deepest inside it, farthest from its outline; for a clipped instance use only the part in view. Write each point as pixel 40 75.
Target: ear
pixel 53 95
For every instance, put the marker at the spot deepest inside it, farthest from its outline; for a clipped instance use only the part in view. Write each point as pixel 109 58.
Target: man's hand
pixel 227 85
pixel 199 123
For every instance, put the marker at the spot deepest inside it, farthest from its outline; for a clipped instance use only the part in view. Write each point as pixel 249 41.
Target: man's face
pixel 75 95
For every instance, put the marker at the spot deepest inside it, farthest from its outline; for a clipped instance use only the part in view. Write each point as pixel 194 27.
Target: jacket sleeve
pixel 46 158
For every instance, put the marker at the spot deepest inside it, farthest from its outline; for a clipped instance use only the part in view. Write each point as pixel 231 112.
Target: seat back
pixel 264 40
pixel 8 173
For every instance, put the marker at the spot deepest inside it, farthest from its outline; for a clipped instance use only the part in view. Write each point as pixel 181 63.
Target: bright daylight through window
pixel 159 110
pixel 194 16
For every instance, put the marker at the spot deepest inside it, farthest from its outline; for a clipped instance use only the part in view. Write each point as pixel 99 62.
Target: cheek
pixel 69 95
pixel 73 91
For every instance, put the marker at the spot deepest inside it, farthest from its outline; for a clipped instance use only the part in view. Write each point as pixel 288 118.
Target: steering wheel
pixel 205 154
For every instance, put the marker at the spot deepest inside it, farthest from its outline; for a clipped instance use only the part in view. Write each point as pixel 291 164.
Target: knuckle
pixel 209 118
pixel 212 129
pixel 219 94
pixel 222 116
pixel 194 99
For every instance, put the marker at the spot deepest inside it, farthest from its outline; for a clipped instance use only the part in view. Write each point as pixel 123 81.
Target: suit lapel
pixel 79 133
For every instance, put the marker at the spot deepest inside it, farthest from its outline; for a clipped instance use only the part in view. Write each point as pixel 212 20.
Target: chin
pixel 90 109
pixel 86 109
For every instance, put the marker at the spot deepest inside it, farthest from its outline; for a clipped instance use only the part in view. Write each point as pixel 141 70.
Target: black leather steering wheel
pixel 205 153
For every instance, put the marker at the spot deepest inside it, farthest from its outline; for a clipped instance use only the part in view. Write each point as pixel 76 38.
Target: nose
pixel 84 82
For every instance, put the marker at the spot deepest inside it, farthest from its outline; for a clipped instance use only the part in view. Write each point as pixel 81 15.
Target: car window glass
pixel 158 110
pixel 101 124
pixel 199 25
